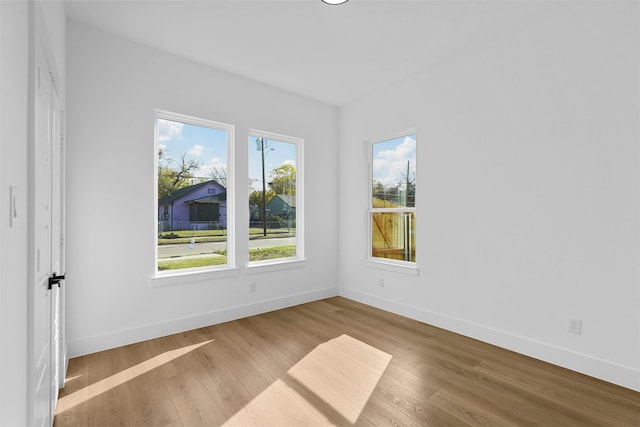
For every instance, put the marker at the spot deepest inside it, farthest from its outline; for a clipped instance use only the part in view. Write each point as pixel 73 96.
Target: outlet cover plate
pixel 575 326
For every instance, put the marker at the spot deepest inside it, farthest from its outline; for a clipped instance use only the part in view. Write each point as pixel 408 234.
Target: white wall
pixel 528 192
pixel 113 88
pixel 14 31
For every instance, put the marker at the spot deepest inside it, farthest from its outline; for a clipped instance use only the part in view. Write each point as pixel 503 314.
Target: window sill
pixel 398 267
pixel 184 277
pixel 257 267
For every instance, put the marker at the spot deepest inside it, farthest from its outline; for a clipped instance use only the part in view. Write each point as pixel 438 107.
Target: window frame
pixel 299 259
pixel 169 277
pixel 402 266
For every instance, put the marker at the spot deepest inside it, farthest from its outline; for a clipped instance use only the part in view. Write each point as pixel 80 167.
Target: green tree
pixel 171 179
pixel 378 190
pixel 283 180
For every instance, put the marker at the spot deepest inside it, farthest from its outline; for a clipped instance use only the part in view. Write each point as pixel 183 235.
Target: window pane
pixel 393 199
pixel 393 235
pixel 394 173
pixel 192 197
pixel 272 199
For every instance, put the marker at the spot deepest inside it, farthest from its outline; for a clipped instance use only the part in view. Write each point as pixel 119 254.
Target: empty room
pixel 308 212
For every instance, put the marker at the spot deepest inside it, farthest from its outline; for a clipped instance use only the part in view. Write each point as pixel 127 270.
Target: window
pixel 275 208
pixel 193 192
pixel 392 211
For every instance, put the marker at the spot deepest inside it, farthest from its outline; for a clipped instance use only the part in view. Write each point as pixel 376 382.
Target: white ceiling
pixel 333 54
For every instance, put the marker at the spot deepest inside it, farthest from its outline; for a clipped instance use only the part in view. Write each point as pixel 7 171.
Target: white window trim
pixel 396 266
pixel 299 259
pixel 368 259
pixel 192 275
pixel 257 267
pixel 161 278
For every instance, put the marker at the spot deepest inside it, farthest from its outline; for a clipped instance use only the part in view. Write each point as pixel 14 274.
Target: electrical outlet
pixel 575 326
pixel 252 287
pixel 381 282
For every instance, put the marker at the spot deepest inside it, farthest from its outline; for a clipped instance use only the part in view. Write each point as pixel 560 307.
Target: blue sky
pixel 209 147
pixel 390 159
pixel 206 145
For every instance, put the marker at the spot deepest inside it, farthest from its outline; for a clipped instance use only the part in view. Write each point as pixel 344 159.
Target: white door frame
pixel 57 239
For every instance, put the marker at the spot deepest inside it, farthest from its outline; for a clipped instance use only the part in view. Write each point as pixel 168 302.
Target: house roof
pixel 181 192
pixel 217 198
pixel 289 199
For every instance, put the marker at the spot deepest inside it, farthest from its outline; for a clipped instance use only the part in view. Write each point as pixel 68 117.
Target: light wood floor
pixel 331 362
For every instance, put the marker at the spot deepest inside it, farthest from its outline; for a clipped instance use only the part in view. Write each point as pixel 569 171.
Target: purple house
pixel 200 206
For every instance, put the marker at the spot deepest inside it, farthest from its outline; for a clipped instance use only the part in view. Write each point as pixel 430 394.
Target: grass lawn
pixel 254 255
pixel 185 236
pixel 258 233
pixel 178 264
pixel 272 253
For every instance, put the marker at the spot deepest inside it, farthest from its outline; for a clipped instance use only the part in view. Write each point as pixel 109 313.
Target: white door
pixel 46 256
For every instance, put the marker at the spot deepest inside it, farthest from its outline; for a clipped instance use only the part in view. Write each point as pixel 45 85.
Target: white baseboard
pixel 611 372
pixel 87 345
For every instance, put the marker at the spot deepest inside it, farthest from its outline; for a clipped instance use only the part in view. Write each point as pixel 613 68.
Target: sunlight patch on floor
pixel 278 405
pixel 76 398
pixel 343 373
pixel 73 378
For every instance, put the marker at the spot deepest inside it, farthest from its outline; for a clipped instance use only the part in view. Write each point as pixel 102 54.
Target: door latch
pixel 55 280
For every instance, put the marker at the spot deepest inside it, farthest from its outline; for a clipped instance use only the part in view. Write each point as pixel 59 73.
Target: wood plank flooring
pixel 331 362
